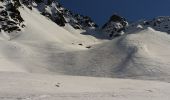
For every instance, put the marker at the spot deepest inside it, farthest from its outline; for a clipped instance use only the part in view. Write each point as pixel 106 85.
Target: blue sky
pixel 101 10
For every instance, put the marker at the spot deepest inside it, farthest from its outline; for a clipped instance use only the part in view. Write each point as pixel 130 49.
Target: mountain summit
pixel 115 26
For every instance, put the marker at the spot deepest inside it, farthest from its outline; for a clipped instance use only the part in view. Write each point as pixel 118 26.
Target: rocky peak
pixel 115 26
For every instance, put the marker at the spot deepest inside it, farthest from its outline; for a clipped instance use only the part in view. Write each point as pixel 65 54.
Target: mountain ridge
pixel 53 10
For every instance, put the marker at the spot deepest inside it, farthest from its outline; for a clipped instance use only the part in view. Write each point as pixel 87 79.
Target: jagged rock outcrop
pixel 115 26
pixel 10 18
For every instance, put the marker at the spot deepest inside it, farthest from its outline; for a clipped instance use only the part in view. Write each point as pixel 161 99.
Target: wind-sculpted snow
pixel 45 47
pixel 142 55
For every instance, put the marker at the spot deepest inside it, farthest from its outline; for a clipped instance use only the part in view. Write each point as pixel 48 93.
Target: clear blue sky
pixel 101 10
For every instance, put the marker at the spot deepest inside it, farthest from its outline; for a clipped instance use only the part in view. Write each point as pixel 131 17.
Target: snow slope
pixel 31 62
pixel 40 39
pixel 55 50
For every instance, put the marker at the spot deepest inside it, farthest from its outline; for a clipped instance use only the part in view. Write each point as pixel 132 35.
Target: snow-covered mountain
pixel 115 26
pixel 161 23
pixel 66 50
pixel 60 15
pixel 118 25
pixel 49 53
pixel 11 20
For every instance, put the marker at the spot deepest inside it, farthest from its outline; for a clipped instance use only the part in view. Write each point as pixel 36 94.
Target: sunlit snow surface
pixel 45 62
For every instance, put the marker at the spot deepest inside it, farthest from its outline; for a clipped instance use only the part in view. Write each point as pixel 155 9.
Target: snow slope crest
pixel 53 10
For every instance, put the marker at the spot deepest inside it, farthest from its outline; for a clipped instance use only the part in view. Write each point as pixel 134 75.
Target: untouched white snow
pixel 31 62
pixel 20 86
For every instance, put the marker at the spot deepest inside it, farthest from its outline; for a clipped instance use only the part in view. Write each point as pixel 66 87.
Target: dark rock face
pixel 115 26
pixel 10 18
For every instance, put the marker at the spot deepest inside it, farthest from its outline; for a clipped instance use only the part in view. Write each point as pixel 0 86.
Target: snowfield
pixel 22 86
pixel 48 62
